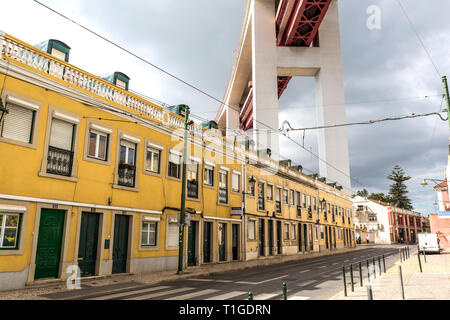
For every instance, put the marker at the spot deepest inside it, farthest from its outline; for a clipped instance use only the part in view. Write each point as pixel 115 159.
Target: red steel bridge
pixel 297 25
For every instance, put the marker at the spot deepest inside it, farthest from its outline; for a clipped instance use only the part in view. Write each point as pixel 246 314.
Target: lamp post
pixel 183 195
pixel 424 181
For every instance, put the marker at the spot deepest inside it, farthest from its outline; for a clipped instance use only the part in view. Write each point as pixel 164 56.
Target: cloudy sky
pixel 386 72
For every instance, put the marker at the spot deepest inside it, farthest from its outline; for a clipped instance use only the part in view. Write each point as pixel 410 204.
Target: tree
pixel 398 189
pixel 363 193
pixel 380 197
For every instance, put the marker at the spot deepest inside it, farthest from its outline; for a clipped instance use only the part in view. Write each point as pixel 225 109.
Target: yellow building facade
pixel 91 179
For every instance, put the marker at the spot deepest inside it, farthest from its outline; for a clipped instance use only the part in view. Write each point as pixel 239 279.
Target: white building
pixel 371 221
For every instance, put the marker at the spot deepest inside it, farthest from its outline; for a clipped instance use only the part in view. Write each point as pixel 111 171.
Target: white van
pixel 429 242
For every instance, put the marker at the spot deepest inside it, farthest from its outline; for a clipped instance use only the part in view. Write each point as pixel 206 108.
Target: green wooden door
pixel 279 244
pixel 235 241
pixel 87 248
pixel 120 247
pixel 207 242
pixel 261 237
pixel 48 252
pixel 191 243
pixel 270 232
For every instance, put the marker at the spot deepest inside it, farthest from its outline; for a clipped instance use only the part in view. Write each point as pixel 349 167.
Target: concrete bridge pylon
pixel 281 39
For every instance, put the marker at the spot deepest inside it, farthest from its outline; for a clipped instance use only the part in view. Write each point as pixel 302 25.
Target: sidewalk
pixel 433 283
pixel 35 291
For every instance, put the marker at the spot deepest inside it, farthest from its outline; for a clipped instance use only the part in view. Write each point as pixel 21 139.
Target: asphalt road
pixel 317 278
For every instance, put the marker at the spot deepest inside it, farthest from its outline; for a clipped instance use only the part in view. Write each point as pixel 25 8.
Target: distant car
pixel 429 242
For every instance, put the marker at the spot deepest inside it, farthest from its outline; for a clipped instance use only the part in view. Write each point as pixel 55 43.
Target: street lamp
pixel 424 181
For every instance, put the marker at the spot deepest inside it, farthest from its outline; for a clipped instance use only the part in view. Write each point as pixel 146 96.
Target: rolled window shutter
pixel 173 235
pixel 17 123
pixel 61 134
pixel 174 158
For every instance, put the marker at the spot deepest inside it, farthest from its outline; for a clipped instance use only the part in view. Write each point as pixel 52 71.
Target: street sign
pixel 444 214
pixel 236 211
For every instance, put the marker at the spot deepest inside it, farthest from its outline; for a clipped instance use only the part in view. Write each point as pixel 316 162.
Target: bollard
pixel 351 278
pixel 360 274
pixel 284 291
pixel 418 257
pixel 379 264
pixel 374 269
pixel 408 253
pixel 369 292
pixel 384 264
pixel 401 281
pixel 400 254
pixel 345 284
pixel 368 272
pixel 250 295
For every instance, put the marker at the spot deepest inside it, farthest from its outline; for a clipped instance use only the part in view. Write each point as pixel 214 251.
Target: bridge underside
pixel 281 39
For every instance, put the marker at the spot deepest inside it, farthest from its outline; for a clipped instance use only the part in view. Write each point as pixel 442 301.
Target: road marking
pixel 128 293
pixel 260 282
pixel 296 297
pixel 265 296
pixel 305 271
pixel 228 295
pixel 211 280
pixel 322 267
pixel 193 294
pixel 159 294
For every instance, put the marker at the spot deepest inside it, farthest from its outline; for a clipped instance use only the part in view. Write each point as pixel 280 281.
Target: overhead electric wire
pixel 192 86
pixel 362 122
pixel 420 39
pixel 131 53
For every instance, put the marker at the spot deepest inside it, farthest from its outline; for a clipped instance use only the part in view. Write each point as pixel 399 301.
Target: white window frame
pixel 3 228
pixel 159 150
pixel 180 156
pixel 148 223
pixel 97 143
pixel 207 168
pixel 238 174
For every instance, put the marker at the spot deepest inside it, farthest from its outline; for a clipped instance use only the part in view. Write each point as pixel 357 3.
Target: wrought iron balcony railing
pixel 59 161
pixel 223 195
pixel 192 189
pixel 278 206
pixel 261 204
pixel 127 174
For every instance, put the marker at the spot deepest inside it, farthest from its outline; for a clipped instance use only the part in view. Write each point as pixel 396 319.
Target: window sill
pixel 18 143
pixel 96 160
pixel 151 173
pixel 148 248
pixel 56 176
pixel 120 187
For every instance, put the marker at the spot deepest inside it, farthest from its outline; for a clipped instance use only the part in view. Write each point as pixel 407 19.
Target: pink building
pixel 440 224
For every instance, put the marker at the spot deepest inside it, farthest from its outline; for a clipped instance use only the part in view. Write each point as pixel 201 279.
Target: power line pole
pixel 444 81
pixel 183 195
